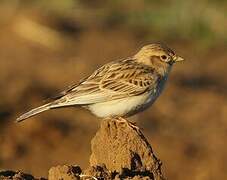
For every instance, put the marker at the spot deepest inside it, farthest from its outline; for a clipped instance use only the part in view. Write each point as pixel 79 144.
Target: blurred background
pixel 46 46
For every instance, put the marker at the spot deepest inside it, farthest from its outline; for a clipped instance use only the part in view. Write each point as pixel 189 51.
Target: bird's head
pixel 158 56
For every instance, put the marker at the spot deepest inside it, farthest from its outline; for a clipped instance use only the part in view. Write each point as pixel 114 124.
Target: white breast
pixel 122 107
pixel 127 106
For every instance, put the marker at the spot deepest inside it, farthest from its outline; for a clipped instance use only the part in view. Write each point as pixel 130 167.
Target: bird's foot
pixel 128 123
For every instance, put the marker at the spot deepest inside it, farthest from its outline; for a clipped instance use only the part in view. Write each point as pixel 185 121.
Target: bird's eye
pixel 163 57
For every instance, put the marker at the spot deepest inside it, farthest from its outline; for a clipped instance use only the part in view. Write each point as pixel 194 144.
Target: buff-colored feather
pixel 139 75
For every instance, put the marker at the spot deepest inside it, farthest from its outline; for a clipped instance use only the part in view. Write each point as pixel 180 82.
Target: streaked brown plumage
pixel 137 80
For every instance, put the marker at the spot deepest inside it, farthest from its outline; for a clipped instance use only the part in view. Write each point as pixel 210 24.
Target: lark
pixel 120 88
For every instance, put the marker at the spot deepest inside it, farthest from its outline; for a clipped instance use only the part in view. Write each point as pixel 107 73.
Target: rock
pixel 16 175
pixel 123 149
pixel 64 173
pixel 119 151
pixel 100 172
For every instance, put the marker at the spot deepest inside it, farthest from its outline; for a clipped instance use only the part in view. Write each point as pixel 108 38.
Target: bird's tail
pixel 33 112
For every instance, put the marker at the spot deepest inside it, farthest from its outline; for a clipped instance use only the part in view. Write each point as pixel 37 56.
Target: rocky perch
pixel 119 151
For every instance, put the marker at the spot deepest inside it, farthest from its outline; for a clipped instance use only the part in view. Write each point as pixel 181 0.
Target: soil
pixel 119 151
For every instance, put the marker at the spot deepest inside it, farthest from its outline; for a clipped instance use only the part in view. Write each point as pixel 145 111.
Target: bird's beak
pixel 178 59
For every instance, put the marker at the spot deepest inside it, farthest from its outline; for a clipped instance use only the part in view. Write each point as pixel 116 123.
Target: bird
pixel 120 88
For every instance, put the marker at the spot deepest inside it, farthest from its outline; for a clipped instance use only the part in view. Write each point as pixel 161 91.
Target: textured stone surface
pixel 121 147
pixel 99 172
pixel 64 172
pixel 15 175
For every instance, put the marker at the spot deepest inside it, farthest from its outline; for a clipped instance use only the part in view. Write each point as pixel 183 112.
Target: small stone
pixel 99 171
pixel 64 172
pixel 15 175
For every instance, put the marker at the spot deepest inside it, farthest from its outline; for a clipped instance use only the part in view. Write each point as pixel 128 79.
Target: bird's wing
pixel 112 81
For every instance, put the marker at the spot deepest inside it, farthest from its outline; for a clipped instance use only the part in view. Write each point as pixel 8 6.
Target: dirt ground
pixel 186 127
pixel 119 151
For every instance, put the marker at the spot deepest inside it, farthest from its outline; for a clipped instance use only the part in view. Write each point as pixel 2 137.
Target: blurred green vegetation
pixel 203 21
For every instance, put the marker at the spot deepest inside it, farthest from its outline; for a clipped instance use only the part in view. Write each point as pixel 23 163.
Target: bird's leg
pixel 130 124
pixel 121 120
